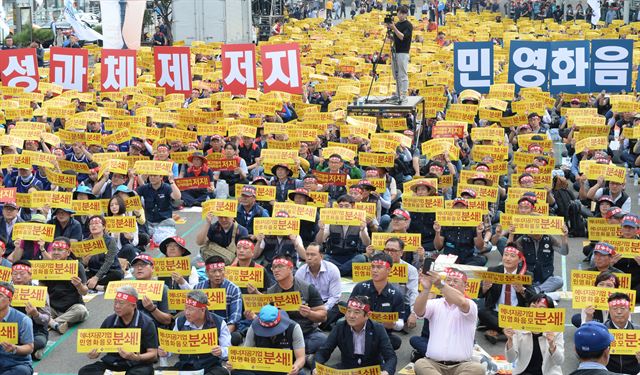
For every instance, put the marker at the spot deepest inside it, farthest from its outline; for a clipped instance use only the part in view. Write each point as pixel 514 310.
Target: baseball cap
pixel 248 191
pixel 630 221
pixel 460 201
pixel 606 198
pixel 604 248
pixel 614 212
pixel 143 258
pixel 592 337
pixel 400 213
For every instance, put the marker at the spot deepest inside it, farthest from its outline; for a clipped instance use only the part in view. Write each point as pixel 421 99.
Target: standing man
pixel 402 33
pixel 362 342
pixel 15 359
pixel 127 316
pixel 325 277
pixel 592 342
pixel 453 320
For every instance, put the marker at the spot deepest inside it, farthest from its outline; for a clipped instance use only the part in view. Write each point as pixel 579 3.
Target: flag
pixel 82 31
pixel 595 6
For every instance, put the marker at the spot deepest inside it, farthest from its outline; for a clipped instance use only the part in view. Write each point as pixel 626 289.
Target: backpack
pixel 576 222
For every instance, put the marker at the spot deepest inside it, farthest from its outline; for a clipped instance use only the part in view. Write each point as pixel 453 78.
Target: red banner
pixel 173 69
pixel 188 183
pixel 281 68
pixel 19 68
pixel 118 69
pixel 69 68
pixel 238 68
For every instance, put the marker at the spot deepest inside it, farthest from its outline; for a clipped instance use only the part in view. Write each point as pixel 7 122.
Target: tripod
pixel 375 64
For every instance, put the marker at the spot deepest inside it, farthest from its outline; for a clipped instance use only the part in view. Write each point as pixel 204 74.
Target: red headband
pixel 619 302
pixel 335 159
pixel 194 303
pixel 6 292
pixel 482 168
pixel 526 202
pixel 532 170
pixel 126 297
pixel 270 324
pixel 526 179
pixel 163 146
pixel 381 262
pixel 456 274
pixel 246 243
pixel 437 167
pixel 21 267
pixel 356 189
pixel 96 219
pixel 282 261
pixel 544 301
pixel 353 304
pixel 215 266
pixel 60 245
pixel 514 250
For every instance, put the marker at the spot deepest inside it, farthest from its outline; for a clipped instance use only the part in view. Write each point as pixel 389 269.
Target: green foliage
pixel 25 37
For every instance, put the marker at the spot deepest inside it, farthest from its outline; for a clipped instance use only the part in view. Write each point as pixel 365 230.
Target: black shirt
pixel 62 294
pixel 406 28
pixel 535 363
pixel 148 337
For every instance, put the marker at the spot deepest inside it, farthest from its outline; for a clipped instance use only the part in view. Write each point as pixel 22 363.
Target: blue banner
pixel 568 64
pixel 473 64
pixel 611 62
pixel 528 64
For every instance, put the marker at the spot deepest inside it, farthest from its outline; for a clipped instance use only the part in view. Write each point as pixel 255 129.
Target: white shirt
pixel 454 329
pixel 514 295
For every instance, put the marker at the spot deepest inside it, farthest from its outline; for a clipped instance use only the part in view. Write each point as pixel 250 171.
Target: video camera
pixel 388 18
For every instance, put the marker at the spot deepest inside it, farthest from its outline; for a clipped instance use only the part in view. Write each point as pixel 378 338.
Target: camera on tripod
pixel 388 18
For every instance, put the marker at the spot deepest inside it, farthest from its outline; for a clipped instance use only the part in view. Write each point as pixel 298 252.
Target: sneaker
pixel 415 356
pixel 38 354
pixel 63 327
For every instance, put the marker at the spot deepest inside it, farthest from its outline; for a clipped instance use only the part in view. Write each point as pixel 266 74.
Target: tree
pixel 165 10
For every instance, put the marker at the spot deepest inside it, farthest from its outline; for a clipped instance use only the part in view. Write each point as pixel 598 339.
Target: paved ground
pixel 61 356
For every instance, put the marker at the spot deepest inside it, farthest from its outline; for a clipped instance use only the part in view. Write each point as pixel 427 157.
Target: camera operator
pixel 402 34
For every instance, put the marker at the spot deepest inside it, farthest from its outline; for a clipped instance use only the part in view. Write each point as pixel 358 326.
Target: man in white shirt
pixel 452 319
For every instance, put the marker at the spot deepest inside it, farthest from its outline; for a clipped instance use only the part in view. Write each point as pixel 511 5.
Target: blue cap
pixel 83 189
pixel 592 337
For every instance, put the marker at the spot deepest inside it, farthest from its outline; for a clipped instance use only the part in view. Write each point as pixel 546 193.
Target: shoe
pixel 62 328
pixel 310 360
pixel 492 339
pixel 415 356
pixel 402 99
pixel 393 98
pixel 38 354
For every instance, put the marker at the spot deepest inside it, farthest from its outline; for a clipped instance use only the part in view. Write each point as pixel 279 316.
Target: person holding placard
pixel 272 328
pixel 344 243
pixel 620 318
pixel 126 315
pixel 65 297
pixel 21 275
pixel 452 320
pixel 175 247
pixel 422 222
pixel 249 209
pixel 308 229
pixel 463 242
pixel 236 176
pixel 219 238
pixel 283 181
pixel 29 249
pixel 603 280
pixel 505 294
pixel 9 218
pixel 102 268
pixel 157 197
pixel 127 243
pixel 592 341
pixel 615 190
pixel 362 342
pixel 198 317
pixel 630 225
pixel 198 167
pixel 15 359
pixel 216 279
pixel 269 246
pixel 142 267
pixel 535 353
pixel 384 297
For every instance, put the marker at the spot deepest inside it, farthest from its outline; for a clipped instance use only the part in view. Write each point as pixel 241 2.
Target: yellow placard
pixel 33 232
pixel 414 203
pixel 289 301
pixel 243 276
pixel 150 288
pixel 598 229
pixel 121 224
pixel 362 272
pixel 588 278
pixel 89 247
pixel 320 198
pixel 504 278
pixel 534 224
pixel 498 153
pixel 384 317
pixel 627 341
pixel 511 207
pixel 531 318
pixel 597 297
pixel 199 341
pixel 153 167
pixel 66 181
pixel 220 207
pixel 5 274
pixel 53 269
pixel 459 218
pixel 54 199
pixel 261 359
pixel 276 226
pixel 609 172
pixel 109 340
pixel 411 240
pixel 87 207
pixel 35 295
pixel 487 193
pixel 376 159
pixel 471 290
pixel 627 247
pixel 324 370
pixel 518 192
pixel 9 333
pixel 593 143
pixel 217 298
pixel 264 193
pixel 342 216
pixel 436 147
pixel 302 212
pixel 165 266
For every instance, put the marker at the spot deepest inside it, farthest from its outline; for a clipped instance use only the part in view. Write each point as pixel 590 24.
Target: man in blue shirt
pixel 156 200
pixel 15 359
